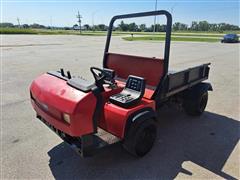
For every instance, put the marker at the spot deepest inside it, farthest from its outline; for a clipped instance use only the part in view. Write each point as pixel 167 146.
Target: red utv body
pixel 119 103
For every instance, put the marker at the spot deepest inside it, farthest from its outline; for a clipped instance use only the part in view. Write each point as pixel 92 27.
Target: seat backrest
pixel 124 65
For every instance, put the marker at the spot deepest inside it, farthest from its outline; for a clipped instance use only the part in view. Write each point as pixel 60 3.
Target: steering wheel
pixel 100 76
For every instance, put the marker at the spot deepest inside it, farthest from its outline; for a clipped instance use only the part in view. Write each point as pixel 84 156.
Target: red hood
pixel 56 92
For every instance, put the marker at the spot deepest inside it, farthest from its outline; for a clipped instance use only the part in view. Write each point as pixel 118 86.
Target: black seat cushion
pixel 80 84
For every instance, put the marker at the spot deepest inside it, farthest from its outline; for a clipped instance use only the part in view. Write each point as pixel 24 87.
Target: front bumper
pixel 85 146
pixel 52 120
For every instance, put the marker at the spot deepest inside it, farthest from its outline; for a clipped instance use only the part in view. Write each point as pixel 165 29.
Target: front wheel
pixel 141 137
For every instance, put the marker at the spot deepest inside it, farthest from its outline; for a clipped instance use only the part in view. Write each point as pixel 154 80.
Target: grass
pixel 162 38
pixel 137 36
pixel 49 32
pixel 16 31
pixel 181 33
pixel 103 33
pixel 210 32
pixel 173 33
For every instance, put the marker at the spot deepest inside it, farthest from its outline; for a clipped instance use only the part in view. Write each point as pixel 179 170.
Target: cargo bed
pixel 181 80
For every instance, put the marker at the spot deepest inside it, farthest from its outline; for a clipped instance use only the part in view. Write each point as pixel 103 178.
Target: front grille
pixel 47 108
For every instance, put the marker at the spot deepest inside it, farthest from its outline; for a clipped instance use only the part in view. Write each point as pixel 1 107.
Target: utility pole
pixel 51 24
pixel 79 21
pixel 154 26
pixel 18 20
pixel 93 14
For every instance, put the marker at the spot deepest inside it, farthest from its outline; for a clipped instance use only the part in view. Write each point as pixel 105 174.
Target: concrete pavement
pixel 205 147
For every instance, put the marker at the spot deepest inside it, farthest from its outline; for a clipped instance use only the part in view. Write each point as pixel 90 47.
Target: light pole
pixel 93 16
pixel 154 26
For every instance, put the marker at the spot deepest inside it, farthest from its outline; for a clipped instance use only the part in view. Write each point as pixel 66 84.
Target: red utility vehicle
pixel 122 100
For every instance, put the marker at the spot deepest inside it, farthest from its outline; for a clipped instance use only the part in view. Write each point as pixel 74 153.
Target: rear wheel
pixel 140 137
pixel 195 102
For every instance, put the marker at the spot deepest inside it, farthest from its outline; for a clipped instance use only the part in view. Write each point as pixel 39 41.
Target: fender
pixel 201 87
pixel 204 86
pixel 138 116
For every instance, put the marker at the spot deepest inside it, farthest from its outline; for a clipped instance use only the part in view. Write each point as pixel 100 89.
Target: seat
pixel 131 94
pixel 81 84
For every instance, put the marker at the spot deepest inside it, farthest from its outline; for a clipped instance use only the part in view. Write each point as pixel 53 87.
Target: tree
pixel 142 27
pixel 86 26
pixel 67 28
pixel 179 26
pixel 37 26
pixel 194 26
pixel 122 26
pixel 203 26
pixel 132 27
pixel 213 27
pixel 6 24
pixel 25 26
pixel 102 27
pixel 176 26
pixel 76 27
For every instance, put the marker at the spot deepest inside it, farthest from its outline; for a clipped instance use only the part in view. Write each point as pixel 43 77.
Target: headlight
pixel 66 118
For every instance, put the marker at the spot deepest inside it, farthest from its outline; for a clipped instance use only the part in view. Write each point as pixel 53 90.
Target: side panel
pixel 182 80
pixel 115 117
pixel 82 119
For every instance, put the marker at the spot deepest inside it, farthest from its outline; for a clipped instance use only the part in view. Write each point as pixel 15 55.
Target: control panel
pixel 131 94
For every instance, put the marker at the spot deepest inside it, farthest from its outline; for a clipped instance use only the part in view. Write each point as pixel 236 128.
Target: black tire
pixel 140 137
pixel 195 102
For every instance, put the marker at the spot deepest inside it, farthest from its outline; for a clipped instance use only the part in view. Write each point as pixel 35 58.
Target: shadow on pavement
pixel 206 141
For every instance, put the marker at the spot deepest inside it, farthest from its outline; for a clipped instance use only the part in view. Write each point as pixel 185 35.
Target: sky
pixel 63 12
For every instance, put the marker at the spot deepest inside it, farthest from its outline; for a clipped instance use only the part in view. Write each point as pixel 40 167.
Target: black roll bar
pixel 143 14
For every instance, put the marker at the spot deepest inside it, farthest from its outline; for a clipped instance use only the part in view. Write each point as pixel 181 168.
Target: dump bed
pixel 181 80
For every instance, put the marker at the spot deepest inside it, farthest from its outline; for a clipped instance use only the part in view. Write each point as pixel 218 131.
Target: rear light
pixel 66 118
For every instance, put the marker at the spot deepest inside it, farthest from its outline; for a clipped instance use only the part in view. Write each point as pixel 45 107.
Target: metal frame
pixel 143 14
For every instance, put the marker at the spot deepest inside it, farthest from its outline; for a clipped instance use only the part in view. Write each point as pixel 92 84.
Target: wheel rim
pixel 145 140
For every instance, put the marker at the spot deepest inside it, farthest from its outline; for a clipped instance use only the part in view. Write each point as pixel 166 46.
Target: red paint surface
pixel 149 68
pixel 59 97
